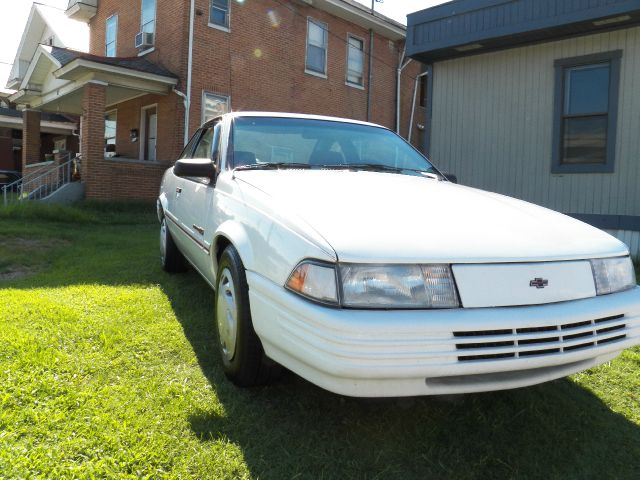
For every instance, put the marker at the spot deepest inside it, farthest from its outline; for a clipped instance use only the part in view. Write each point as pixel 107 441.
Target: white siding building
pixel 538 100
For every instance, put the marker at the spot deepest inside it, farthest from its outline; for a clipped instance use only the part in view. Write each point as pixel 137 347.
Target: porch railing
pixel 40 186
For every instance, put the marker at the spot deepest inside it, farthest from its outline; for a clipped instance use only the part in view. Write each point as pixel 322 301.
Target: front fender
pixel 161 205
pixel 234 233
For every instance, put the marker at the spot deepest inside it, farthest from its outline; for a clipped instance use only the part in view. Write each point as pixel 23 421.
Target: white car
pixel 338 251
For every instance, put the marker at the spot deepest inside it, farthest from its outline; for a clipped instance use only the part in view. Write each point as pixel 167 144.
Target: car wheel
pixel 243 358
pixel 171 258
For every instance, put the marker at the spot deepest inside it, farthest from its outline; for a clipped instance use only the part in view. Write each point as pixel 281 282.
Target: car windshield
pixel 275 142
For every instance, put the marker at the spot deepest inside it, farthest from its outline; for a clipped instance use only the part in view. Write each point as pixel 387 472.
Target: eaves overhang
pixel 59 86
pixel 79 68
pixel 468 27
pixel 360 15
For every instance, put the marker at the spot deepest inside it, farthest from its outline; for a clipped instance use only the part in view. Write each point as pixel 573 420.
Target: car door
pixel 192 204
pixel 173 187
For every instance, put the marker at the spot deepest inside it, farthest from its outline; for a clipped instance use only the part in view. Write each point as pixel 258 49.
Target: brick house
pixel 155 69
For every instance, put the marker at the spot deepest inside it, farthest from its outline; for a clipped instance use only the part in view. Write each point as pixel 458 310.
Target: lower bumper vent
pixel 536 341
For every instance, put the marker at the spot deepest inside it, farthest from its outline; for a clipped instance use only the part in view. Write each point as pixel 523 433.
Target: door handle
pixel 198 229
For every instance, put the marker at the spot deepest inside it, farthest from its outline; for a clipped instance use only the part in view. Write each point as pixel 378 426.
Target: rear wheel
pixel 171 258
pixel 243 358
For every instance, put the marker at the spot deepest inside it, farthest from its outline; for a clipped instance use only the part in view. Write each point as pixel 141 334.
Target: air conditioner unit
pixel 144 40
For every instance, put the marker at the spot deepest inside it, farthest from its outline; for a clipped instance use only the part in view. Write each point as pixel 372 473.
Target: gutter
pixel 401 66
pixel 370 81
pixel 187 99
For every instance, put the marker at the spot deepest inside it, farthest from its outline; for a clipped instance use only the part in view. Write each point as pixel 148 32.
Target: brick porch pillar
pixel 30 137
pixel 92 137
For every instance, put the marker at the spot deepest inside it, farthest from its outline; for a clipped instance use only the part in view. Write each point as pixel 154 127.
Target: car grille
pixel 535 341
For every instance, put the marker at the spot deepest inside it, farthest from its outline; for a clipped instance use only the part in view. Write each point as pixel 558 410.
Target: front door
pixel 193 204
pixel 149 129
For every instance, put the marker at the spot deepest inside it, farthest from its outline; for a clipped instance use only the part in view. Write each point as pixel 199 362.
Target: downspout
pixel 413 103
pixel 401 66
pixel 370 74
pixel 187 109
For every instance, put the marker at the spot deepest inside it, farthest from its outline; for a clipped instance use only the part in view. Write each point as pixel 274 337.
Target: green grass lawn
pixel 108 370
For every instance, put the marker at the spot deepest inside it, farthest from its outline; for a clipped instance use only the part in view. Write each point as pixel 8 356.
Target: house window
pixel 219 13
pixel 586 107
pixel 111 34
pixel 110 123
pixel 213 106
pixel 316 47
pixel 148 16
pixel 355 61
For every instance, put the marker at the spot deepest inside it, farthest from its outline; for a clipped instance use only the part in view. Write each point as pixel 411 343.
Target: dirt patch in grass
pixel 22 257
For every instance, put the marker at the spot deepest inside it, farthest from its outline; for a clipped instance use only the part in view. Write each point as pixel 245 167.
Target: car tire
pixel 243 358
pixel 171 258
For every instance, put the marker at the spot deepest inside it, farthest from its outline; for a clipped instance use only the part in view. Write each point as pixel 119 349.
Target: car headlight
pixel 376 286
pixel 613 274
pixel 398 286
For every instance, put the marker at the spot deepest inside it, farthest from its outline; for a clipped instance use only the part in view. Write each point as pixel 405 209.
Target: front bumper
pixel 404 353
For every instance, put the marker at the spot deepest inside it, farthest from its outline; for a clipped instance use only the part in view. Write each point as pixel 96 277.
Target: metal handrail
pixel 40 186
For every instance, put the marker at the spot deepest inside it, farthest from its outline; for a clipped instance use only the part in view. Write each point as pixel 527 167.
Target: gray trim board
pixel 614 58
pixel 609 222
pixel 437 33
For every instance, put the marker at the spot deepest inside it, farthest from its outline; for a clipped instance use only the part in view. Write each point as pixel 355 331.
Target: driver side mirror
pixel 195 167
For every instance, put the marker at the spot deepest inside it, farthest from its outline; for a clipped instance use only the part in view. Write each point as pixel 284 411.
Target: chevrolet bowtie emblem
pixel 539 283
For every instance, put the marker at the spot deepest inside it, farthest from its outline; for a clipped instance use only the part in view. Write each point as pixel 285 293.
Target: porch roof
pixel 56 76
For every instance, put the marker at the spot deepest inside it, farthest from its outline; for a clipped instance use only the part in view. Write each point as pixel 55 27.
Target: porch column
pixel 92 138
pixel 30 137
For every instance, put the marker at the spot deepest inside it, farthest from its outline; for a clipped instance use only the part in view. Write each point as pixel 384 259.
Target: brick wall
pixel 259 64
pixel 92 140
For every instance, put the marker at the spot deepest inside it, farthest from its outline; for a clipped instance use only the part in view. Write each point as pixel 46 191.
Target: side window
pixel 111 36
pixel 219 13
pixel 204 148
pixel 186 152
pixel 217 129
pixel 317 40
pixel 586 113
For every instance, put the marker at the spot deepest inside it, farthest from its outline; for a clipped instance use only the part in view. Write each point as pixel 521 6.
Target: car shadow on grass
pixel 293 429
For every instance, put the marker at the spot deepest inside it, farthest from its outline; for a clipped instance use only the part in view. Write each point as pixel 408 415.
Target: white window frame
pixel 213 94
pixel 155 18
pixel 142 138
pixel 226 28
pixel 346 73
pixel 325 27
pixel 115 39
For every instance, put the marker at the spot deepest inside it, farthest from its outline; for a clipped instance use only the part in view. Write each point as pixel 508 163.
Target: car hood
pixel 383 217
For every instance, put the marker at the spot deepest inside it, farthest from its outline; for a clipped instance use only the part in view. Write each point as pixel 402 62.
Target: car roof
pixel 294 115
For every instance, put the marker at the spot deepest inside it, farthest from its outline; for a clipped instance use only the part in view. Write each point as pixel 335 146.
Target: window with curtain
pixel 316 47
pixel 219 13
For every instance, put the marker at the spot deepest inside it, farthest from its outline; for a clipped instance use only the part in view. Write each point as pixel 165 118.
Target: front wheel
pixel 171 258
pixel 243 358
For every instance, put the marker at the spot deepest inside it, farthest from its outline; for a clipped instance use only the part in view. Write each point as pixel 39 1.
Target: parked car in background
pixel 340 252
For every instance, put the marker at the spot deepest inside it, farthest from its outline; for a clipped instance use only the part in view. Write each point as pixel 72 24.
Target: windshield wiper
pixel 273 166
pixel 378 167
